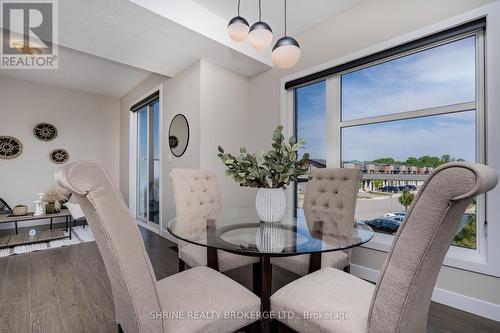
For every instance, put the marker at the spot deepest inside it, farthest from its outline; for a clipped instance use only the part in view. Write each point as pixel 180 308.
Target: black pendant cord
pixel 285 19
pixel 238 7
pixel 260 12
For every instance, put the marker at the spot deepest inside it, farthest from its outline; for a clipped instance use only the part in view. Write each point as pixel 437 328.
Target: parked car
pixel 407 187
pixel 397 219
pixel 392 214
pixel 391 189
pixel 384 225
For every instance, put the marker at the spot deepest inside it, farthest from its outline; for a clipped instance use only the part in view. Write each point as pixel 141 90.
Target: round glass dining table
pixel 238 230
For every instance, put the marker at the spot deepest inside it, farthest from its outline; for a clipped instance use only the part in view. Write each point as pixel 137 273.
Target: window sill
pixel 457 257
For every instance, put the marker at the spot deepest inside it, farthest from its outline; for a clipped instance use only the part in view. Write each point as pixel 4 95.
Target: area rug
pixel 79 235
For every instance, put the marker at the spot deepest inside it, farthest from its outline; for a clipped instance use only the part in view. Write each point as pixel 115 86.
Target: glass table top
pixel 238 230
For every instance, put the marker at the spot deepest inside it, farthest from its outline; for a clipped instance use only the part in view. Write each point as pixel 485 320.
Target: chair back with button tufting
pixel 331 199
pixel 197 198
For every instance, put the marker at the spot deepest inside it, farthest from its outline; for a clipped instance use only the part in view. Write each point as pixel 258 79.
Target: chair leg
pixel 271 277
pixel 257 283
pixel 182 265
pixel 347 269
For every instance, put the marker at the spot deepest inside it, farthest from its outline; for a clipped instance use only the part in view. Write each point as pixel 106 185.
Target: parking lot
pixel 368 209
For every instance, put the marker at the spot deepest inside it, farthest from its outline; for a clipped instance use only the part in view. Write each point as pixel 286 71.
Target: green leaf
pixel 274 168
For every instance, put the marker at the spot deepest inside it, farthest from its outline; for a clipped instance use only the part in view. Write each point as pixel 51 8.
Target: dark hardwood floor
pixel 67 290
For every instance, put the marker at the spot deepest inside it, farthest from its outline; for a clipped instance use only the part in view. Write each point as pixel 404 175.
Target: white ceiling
pixel 84 72
pixel 301 14
pixel 166 36
pixel 128 33
pixel 108 47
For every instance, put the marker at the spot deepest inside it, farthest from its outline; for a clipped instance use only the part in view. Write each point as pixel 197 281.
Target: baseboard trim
pixel 466 303
pixel 364 272
pixel 167 235
pixel 455 300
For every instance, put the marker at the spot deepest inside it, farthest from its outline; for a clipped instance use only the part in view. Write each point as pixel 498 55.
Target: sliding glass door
pixel 148 163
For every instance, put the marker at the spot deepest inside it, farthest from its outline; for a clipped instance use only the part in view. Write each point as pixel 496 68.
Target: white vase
pixel 270 204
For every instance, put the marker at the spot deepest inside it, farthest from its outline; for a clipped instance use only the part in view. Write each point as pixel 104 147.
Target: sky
pixel 311 118
pixel 435 77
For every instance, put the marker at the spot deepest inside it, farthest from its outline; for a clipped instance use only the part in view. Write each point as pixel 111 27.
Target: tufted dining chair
pixel 400 300
pixel 197 199
pixel 140 300
pixel 330 199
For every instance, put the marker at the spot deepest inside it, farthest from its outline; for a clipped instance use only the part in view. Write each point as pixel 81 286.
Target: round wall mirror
pixel 178 135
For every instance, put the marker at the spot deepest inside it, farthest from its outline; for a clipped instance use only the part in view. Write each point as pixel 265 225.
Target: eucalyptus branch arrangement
pixel 278 167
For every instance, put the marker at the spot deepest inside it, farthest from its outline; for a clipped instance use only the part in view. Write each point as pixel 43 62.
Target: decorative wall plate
pixel 45 132
pixel 59 156
pixel 10 147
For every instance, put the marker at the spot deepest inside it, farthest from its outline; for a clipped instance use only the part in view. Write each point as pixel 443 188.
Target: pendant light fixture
pixel 261 34
pixel 238 27
pixel 286 51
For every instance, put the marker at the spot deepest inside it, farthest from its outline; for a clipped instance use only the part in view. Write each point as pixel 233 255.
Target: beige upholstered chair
pixel 331 199
pixel 197 197
pixel 138 296
pixel 400 300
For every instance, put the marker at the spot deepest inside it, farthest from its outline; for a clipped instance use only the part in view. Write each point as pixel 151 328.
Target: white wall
pixel 181 96
pixel 88 128
pixel 215 103
pixel 366 25
pixel 224 121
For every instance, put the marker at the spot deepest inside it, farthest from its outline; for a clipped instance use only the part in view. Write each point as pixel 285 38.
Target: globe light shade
pixel 238 29
pixel 260 36
pixel 286 52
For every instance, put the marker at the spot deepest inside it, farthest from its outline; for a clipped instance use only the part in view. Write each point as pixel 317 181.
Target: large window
pixel 435 77
pixel 397 119
pixel 311 126
pixel 148 163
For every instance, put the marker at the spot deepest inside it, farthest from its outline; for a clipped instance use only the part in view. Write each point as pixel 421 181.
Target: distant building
pixel 376 168
pixel 354 165
pixel 316 163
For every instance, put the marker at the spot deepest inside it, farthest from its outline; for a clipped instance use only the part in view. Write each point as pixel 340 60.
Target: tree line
pixel 423 161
